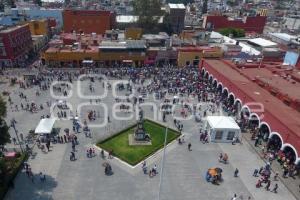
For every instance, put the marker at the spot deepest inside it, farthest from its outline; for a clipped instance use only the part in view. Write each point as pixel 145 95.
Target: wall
pixel 16 42
pixel 251 24
pixel 177 19
pixel 191 56
pixel 184 57
pixel 88 21
pixel 69 56
pixel 39 27
pixel 133 33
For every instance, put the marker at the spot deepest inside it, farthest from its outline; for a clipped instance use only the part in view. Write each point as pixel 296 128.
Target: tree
pixel 185 2
pixel 38 2
pixel 167 25
pixel 149 13
pixel 2 107
pixel 1 7
pixel 204 7
pixel 4 134
pixel 235 32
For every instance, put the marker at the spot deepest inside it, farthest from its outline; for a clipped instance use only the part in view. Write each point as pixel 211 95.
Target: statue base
pixel 134 142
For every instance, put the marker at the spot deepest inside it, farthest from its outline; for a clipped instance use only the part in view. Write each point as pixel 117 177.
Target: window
pixel 2 51
pixel 219 135
pixel 230 135
pixel 36 26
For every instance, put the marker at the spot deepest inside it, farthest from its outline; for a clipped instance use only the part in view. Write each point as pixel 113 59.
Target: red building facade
pixel 15 46
pixel 88 21
pixel 249 24
pixel 275 117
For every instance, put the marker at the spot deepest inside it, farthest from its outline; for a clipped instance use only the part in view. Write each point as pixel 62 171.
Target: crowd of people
pixel 165 84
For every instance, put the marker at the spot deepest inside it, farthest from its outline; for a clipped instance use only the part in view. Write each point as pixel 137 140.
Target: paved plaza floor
pixel 183 175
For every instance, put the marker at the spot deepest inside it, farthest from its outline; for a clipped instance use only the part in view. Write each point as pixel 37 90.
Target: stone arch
pixel 231 99
pixel 238 107
pixel 245 111
pixel 264 130
pixel 206 75
pixel 254 120
pixel 210 79
pixel 288 147
pixel 275 141
pixel 219 88
pixel 203 71
pixel 238 100
pixel 225 93
pixel 215 83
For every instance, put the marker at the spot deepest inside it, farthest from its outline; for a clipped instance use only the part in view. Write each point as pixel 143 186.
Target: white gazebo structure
pixel 222 128
pixel 45 126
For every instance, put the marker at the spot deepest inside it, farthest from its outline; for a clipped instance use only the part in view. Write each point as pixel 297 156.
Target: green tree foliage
pixel 1 7
pixel 204 7
pixel 4 134
pixel 38 2
pixel 235 32
pixel 2 107
pixel 167 27
pixel 185 2
pixel 149 12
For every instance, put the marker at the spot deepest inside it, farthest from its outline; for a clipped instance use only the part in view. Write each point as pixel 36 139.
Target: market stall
pixel 45 128
pixel 222 128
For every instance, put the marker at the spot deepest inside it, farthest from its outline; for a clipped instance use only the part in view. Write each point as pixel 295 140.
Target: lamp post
pixel 16 132
pixel 162 164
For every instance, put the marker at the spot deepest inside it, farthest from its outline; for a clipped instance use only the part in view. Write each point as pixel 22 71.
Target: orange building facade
pixel 88 21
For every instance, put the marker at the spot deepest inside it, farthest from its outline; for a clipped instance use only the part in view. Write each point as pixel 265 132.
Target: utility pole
pixel 162 164
pixel 16 132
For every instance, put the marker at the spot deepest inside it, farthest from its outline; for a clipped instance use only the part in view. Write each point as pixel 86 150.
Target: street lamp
pixel 162 164
pixel 16 132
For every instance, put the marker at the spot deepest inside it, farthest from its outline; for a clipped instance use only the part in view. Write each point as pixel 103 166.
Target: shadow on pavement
pixel 25 188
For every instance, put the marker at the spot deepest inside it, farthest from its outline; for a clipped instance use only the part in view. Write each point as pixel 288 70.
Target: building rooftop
pixel 276 83
pixel 10 29
pixel 128 44
pixel 197 49
pixel 176 6
pixel 126 18
pixel 245 47
pixel 262 42
pixel 283 119
pixel 284 36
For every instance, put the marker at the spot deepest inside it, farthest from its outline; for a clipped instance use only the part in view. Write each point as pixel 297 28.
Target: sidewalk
pixel 291 184
pixel 246 165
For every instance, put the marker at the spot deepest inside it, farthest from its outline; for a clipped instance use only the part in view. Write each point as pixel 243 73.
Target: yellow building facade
pixel 133 33
pixel 39 27
pixel 106 54
pixel 192 55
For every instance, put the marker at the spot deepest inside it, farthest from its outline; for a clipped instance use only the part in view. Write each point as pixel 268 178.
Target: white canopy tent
pixel 45 126
pixel 222 128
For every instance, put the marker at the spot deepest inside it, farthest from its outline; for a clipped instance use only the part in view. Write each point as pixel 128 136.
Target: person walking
pixel 276 176
pixel 234 197
pixel 72 156
pixel 144 167
pixel 190 147
pixel 255 173
pixel 275 188
pixel 236 172
pixel 268 185
pixel 73 147
pixel 42 177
